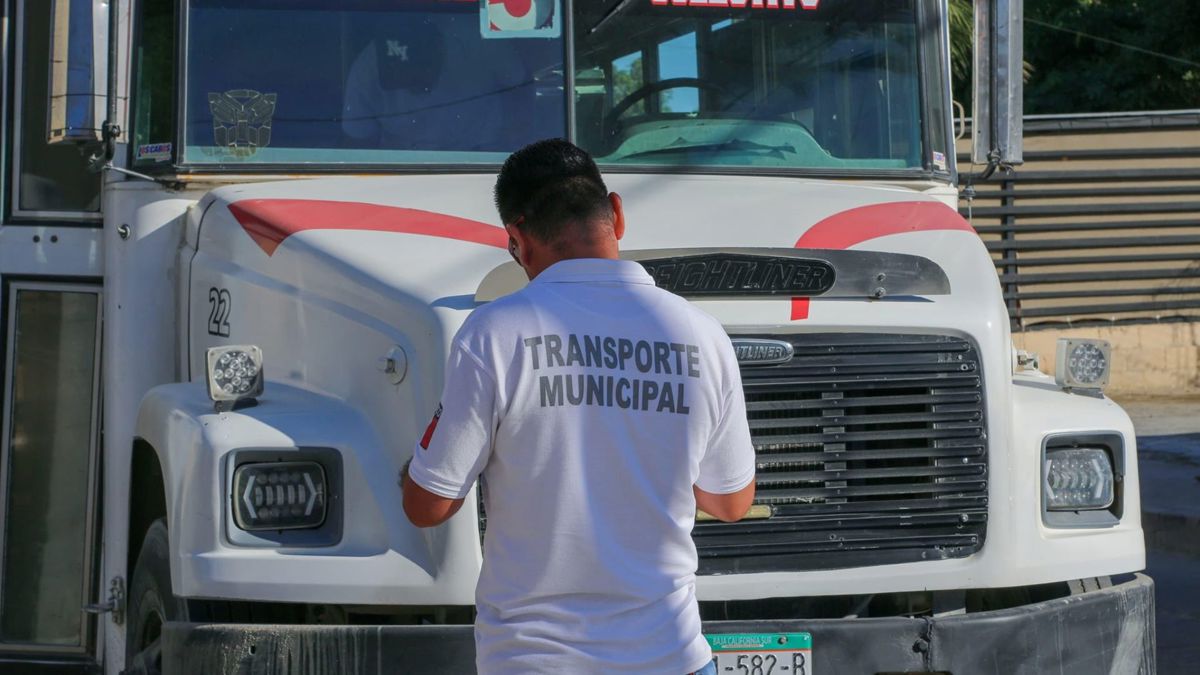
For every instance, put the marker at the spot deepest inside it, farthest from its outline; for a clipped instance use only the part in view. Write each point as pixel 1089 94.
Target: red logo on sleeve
pixel 431 428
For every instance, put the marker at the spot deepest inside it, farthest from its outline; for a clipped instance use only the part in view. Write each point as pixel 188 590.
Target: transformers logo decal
pixel 241 120
pixel 843 230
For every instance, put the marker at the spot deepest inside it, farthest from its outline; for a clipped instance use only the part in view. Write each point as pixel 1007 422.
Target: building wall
pixel 1148 360
pixel 1097 235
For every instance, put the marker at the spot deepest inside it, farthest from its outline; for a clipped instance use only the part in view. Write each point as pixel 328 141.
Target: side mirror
pixel 999 82
pixel 78 71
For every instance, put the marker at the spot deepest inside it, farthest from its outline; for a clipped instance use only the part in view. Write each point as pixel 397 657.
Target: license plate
pixel 762 653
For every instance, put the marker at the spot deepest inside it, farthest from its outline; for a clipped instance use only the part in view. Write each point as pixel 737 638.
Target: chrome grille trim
pixel 872 449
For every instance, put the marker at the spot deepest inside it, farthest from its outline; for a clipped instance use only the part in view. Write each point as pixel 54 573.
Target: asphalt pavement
pixel 1169 465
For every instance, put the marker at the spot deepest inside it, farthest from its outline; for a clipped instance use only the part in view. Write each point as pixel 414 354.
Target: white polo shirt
pixel 591 402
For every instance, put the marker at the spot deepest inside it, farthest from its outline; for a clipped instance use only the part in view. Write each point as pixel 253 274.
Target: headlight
pixel 279 496
pixel 1078 479
pixel 234 373
pixel 1082 364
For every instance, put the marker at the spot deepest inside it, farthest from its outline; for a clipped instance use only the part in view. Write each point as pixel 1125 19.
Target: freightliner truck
pixel 222 342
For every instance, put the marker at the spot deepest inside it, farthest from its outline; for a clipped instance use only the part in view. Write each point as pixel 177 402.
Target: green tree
pixel 961 29
pixel 1097 55
pixel 962 37
pixel 1112 55
pixel 627 78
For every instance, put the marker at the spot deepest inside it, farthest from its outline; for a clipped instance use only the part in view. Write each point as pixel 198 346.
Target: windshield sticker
pixel 939 160
pixel 241 121
pixel 157 152
pixel 741 4
pixel 502 19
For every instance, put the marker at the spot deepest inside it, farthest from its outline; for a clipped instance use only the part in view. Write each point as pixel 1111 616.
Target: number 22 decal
pixel 219 302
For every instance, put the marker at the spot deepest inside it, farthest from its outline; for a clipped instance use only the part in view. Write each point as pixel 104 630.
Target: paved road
pixel 1177 615
pixel 1169 462
pixel 1170 472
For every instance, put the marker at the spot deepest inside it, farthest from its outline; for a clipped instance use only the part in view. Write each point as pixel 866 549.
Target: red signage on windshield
pixel 740 4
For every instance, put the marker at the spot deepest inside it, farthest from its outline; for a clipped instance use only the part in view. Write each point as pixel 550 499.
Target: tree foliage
pixel 1097 55
pixel 1111 55
pixel 961 26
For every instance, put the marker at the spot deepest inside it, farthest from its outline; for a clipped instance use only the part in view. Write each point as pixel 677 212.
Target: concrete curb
pixel 1171 533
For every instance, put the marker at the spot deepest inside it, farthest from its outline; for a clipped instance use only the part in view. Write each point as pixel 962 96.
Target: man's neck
pixel 606 250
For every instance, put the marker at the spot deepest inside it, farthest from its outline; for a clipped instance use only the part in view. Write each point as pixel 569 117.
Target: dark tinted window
pixel 52 178
pixel 362 82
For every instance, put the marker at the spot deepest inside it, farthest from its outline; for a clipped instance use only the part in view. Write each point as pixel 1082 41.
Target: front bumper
pixel 1110 630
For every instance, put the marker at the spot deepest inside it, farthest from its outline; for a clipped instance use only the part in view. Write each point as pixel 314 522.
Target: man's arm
pixel 727 507
pixel 724 488
pixel 456 445
pixel 424 508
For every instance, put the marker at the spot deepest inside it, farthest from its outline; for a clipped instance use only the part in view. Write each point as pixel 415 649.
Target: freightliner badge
pixel 755 352
pixel 726 274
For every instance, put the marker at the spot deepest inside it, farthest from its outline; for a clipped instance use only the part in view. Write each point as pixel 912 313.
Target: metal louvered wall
pixel 1101 225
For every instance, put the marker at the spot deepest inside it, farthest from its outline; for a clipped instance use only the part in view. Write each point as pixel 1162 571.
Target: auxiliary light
pixel 1082 364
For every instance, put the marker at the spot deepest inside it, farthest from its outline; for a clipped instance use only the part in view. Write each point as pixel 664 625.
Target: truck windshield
pixel 831 87
pixel 468 81
pixel 365 81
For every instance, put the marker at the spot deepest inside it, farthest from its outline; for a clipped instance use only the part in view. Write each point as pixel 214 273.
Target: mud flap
pixel 1110 630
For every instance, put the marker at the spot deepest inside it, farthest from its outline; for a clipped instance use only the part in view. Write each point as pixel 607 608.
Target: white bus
pixel 238 237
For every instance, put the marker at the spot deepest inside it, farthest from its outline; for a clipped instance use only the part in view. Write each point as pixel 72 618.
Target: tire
pixel 151 604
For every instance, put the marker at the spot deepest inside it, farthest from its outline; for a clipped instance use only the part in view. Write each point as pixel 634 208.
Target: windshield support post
pixel 569 66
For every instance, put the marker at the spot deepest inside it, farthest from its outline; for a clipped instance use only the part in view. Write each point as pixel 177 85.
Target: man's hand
pixel 422 507
pixel 729 507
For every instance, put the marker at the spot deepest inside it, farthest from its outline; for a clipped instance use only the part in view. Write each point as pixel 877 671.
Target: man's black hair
pixel 549 186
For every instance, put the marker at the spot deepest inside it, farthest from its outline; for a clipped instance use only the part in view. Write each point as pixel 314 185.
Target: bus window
pixel 676 60
pixel 154 86
pixel 49 181
pixel 359 81
pixel 628 77
pixel 836 88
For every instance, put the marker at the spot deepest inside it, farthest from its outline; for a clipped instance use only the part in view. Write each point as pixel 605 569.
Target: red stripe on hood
pixel 845 229
pixel 270 221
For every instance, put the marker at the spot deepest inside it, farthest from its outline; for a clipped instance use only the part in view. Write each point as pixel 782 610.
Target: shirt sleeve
pixel 728 462
pixel 458 441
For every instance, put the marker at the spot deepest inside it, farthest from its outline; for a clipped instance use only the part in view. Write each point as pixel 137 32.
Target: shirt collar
pixel 578 270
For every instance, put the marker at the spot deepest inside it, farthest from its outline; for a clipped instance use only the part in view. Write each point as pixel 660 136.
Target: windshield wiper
pixel 616 9
pixel 735 145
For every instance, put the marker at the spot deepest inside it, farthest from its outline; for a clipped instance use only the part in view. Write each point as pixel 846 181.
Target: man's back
pixel 609 393
pixel 597 411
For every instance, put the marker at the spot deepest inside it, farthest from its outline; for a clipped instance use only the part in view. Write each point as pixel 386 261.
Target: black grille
pixel 872 449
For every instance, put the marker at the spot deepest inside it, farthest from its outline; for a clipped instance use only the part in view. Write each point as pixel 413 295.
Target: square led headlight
pixel 1078 479
pixel 279 496
pixel 1082 364
pixel 234 373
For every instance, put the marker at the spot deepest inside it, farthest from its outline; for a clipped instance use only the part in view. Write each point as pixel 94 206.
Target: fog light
pixel 1082 364
pixel 234 373
pixel 1078 479
pixel 279 496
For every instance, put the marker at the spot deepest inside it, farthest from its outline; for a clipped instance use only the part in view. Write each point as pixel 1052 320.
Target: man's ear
pixel 522 241
pixel 618 215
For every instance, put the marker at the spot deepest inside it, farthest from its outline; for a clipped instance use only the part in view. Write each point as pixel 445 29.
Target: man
pixel 601 412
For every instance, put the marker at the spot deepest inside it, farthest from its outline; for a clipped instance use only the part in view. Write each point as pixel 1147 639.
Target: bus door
pixel 50 307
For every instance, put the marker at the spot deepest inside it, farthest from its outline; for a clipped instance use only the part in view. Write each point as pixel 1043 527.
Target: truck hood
pixel 434 238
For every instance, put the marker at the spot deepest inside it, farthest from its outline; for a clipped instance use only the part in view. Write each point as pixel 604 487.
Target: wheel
pixel 151 604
